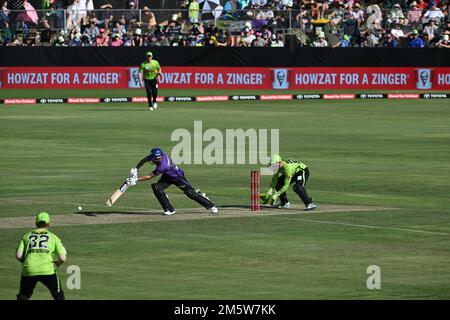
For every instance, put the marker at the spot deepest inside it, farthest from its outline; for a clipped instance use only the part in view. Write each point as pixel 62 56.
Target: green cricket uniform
pixel 292 172
pixel 150 69
pixel 40 247
pixel 289 169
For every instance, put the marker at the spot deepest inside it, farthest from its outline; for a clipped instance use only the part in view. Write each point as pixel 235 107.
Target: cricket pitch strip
pixel 116 215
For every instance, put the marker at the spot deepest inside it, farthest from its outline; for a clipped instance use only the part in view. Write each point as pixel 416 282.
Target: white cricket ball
pixel 80 208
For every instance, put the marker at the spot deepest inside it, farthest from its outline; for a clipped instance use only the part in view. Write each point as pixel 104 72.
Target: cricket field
pixel 380 176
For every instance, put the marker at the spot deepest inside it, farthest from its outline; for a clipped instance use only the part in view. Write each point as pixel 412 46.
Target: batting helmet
pixel 155 153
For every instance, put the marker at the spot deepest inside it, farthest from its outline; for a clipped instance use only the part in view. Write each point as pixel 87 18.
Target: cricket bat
pixel 117 194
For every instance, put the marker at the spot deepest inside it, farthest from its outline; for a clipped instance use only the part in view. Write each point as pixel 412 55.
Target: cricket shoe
pixel 310 207
pixel 287 205
pixel 150 108
pixel 214 210
pixel 169 213
pixel 155 105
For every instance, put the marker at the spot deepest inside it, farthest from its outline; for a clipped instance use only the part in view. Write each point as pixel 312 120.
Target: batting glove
pixel 134 173
pixel 132 181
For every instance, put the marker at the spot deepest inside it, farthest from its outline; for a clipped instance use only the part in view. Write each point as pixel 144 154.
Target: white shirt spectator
pixel 430 29
pixel 82 8
pixel 90 5
pixel 358 14
pixel 265 15
pixel 73 16
pixel 320 43
pixel 398 33
pixel 248 39
pixel 434 14
pixel 258 3
pixel 275 42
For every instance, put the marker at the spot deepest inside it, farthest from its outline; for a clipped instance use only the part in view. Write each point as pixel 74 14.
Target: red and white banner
pixel 276 97
pixel 65 77
pixel 339 96
pixel 19 101
pixel 324 78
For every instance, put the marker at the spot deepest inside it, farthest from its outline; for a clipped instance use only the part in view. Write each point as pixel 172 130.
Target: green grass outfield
pixel 386 153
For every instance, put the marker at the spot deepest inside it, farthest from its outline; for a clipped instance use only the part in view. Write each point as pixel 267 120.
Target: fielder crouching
pixel 287 172
pixel 171 174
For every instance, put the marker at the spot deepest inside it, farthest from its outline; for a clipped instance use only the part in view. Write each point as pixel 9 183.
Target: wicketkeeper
pixel 171 174
pixel 287 172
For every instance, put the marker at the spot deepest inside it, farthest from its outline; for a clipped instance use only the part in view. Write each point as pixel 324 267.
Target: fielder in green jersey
pixel 149 72
pixel 40 252
pixel 288 172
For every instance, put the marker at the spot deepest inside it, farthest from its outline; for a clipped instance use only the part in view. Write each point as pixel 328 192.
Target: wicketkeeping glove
pixel 264 197
pixel 274 198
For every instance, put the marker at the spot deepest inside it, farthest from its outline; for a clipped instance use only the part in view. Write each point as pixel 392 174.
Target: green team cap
pixel 43 216
pixel 149 54
pixel 275 159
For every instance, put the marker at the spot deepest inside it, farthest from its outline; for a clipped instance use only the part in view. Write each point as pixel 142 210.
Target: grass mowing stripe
pixel 360 225
pixel 73 204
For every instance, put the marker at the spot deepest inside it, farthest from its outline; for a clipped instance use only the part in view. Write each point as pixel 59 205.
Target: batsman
pixel 170 174
pixel 287 172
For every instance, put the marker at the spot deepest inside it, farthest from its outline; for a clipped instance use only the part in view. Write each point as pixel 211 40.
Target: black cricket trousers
pixel 151 86
pixel 28 283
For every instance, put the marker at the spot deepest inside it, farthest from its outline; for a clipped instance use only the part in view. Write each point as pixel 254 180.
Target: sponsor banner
pixel 371 96
pixel 308 96
pixel 190 77
pixel 144 99
pixel 342 96
pixel 371 78
pixel 19 101
pixel 212 77
pixel 178 99
pixel 403 96
pixel 244 97
pixel 211 98
pixel 435 95
pixel 115 99
pixel 52 100
pixel 83 100
pixel 276 97
pixel 65 77
pixel 138 99
pixel 339 96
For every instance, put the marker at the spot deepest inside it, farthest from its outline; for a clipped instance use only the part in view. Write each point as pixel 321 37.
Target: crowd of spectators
pixel 259 23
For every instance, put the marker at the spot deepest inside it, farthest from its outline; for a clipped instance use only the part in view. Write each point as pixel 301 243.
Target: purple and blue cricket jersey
pixel 170 171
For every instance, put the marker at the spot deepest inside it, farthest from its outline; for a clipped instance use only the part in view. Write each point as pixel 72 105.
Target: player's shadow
pixel 265 207
pixel 101 213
